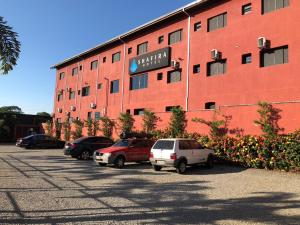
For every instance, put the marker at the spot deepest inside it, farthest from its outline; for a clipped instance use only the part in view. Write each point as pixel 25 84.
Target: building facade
pixel 208 56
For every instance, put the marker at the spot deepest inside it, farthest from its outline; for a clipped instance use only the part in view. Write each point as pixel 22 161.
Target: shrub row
pixel 281 152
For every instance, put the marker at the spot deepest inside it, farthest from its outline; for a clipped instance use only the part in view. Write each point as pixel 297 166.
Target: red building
pixel 222 54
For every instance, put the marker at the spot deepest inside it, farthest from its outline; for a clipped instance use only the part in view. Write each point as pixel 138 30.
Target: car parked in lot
pixel 39 141
pixel 125 150
pixel 179 153
pixel 83 148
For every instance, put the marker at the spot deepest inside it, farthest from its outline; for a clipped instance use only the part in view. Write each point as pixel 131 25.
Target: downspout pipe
pixel 188 61
pixel 123 74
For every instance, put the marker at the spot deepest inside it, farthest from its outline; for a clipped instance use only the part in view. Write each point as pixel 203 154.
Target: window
pixel 174 76
pixel 94 65
pixel 80 67
pixel 164 144
pixel 114 86
pixel 89 115
pixel 59 97
pixel 72 95
pixel 210 105
pixel 175 37
pixel 274 56
pixel 160 39
pixel 215 68
pixel 217 22
pixel 138 112
pixel 116 57
pixel 85 91
pixel 61 75
pixel 246 58
pixel 104 59
pixel 159 76
pixel 99 86
pixel 139 82
pixel 74 71
pixel 272 5
pixel 196 68
pixel 142 48
pixel 129 50
pixel 246 9
pixel 128 111
pixel 79 92
pixel 97 116
pixel 197 26
pixel 169 108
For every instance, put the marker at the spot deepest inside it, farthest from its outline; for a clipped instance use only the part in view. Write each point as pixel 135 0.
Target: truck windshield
pixel 163 144
pixel 122 143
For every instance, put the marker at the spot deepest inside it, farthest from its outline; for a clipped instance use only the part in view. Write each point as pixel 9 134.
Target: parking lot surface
pixel 46 187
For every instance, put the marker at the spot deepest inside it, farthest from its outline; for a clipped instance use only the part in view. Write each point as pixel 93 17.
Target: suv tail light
pixel 151 155
pixel 73 145
pixel 173 156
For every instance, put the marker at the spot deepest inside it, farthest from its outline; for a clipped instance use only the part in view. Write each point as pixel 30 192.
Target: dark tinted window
pixel 274 56
pixel 114 86
pixel 139 82
pixel 175 37
pixel 164 144
pixel 174 76
pixel 218 67
pixel 217 22
pixel 122 143
pixel 183 145
pixel 272 5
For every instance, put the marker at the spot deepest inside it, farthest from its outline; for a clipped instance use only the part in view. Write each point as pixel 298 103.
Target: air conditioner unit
pixel 73 108
pixel 68 113
pixel 59 110
pixel 262 42
pixel 68 89
pixel 175 64
pixel 93 105
pixel 215 54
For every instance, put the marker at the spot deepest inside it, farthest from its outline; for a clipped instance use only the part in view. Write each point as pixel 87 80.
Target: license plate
pixel 160 162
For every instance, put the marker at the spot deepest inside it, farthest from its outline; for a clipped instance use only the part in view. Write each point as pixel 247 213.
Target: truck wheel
pixel 119 162
pixel 210 162
pixel 157 168
pixel 181 168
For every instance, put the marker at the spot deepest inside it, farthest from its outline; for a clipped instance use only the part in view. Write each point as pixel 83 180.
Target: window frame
pixel 114 59
pixel 217 17
pixel 113 89
pixel 93 63
pixel 141 49
pixel 173 33
pixel 169 81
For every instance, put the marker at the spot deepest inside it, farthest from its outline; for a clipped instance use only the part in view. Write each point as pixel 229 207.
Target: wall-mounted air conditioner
pixel 215 54
pixel 175 64
pixel 59 110
pixel 263 43
pixel 73 108
pixel 93 105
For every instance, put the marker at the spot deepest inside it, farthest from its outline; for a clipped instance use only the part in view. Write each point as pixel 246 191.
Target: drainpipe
pixel 188 61
pixel 106 95
pixel 97 80
pixel 123 74
pixel 81 77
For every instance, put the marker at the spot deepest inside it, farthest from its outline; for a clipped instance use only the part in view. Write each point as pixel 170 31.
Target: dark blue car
pixel 40 141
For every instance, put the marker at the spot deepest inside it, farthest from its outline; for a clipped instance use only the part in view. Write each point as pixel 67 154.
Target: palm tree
pixel 9 47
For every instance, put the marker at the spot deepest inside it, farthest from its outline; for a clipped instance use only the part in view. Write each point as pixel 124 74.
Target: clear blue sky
pixel 52 30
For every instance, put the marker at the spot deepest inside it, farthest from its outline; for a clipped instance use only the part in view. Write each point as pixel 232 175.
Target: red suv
pixel 125 150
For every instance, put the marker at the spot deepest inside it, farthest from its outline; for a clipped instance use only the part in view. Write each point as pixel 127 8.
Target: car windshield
pixel 164 144
pixel 122 143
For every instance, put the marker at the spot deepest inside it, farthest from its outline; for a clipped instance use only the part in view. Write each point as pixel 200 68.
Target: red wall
pixel 240 85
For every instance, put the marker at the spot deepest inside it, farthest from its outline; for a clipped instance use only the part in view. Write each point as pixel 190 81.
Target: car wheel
pixel 85 155
pixel 210 162
pixel 157 168
pixel 181 168
pixel 119 162
pixel 102 164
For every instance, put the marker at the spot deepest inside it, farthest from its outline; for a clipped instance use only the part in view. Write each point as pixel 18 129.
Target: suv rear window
pixel 164 145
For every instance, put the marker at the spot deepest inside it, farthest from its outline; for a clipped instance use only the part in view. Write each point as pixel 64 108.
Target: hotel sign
pixel 150 61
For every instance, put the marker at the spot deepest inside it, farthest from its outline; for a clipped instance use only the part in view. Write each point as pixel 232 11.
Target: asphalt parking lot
pixel 45 187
